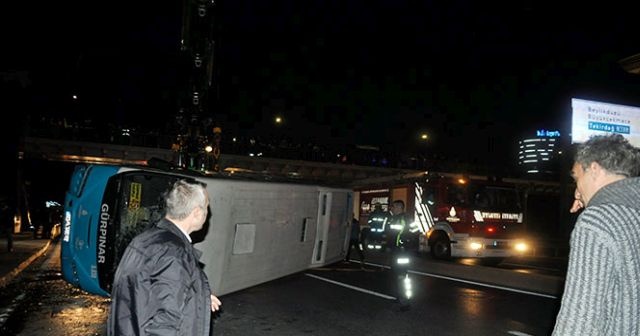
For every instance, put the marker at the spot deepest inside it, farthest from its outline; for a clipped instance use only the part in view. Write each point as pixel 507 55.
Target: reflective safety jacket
pixel 378 221
pixel 398 225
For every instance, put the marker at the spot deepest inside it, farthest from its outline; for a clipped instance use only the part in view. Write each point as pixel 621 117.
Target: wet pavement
pixel 26 250
pixel 39 302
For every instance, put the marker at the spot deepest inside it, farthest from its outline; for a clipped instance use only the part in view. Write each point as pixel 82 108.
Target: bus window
pixel 142 196
pixel 137 202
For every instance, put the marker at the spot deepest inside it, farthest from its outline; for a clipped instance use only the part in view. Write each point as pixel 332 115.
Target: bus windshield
pixel 136 202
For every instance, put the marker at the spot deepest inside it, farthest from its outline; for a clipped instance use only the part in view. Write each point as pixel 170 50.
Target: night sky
pixel 368 72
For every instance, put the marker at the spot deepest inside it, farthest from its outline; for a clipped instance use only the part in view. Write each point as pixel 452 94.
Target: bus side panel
pixel 258 232
pixel 81 227
pixel 220 231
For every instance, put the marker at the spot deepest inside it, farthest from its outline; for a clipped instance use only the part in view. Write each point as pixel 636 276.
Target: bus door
pixel 322 229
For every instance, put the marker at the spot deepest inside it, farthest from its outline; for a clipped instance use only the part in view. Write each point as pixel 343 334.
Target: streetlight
pixel 422 155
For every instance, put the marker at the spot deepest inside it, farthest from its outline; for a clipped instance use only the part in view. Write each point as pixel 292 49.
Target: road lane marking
pixel 384 296
pixel 377 265
pixel 473 282
pixel 518 333
pixel 533 267
pixel 483 284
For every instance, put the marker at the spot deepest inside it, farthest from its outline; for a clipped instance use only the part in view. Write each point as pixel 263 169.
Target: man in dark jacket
pixel 159 287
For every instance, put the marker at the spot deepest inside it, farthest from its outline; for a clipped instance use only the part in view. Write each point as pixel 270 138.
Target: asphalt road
pixel 342 299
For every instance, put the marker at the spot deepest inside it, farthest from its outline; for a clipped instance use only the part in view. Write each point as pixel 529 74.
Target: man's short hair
pixel 183 197
pixel 612 152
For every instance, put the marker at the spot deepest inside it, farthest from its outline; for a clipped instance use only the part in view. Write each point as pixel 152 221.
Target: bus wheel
pixel 441 247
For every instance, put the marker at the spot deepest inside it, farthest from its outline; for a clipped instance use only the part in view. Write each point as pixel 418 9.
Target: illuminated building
pixel 539 154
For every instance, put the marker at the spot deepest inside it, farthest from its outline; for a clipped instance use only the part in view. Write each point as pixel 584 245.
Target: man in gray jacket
pixel 159 287
pixel 601 292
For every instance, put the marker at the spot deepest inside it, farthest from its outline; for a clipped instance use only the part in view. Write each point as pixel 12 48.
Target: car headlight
pixel 521 247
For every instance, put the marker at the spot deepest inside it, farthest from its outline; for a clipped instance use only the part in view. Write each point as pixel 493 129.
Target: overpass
pixel 104 153
pixel 347 175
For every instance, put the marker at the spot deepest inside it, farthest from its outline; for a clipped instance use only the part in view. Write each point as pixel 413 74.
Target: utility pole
pixel 197 144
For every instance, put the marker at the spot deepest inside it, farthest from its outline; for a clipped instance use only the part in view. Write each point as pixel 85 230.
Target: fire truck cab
pixel 471 217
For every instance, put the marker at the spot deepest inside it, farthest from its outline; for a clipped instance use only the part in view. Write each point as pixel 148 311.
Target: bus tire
pixel 441 247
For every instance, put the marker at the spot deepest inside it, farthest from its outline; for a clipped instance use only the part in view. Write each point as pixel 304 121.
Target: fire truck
pixel 455 215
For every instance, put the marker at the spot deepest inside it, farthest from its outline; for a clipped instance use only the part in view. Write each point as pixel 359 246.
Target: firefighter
pixel 400 257
pixel 377 223
pixel 397 226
